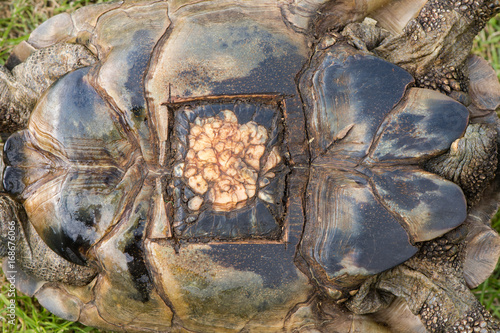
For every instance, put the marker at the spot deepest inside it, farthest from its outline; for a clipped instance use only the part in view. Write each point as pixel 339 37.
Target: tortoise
pixel 264 166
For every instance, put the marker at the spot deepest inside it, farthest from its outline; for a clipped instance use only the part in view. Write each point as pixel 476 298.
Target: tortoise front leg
pixel 16 101
pixel 32 255
pixel 21 87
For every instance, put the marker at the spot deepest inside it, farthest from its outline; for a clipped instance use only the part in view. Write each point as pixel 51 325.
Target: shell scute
pixel 71 166
pixel 128 56
pixel 350 89
pixel 126 293
pixel 369 200
pixel 349 230
pixel 426 205
pixel 76 124
pixel 421 127
pixel 228 49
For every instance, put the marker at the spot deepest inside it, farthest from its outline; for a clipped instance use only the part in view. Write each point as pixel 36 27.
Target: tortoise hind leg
pixel 433 286
pixel 32 255
pixel 451 307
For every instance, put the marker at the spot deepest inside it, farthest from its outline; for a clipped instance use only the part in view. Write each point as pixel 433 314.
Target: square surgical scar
pixel 229 171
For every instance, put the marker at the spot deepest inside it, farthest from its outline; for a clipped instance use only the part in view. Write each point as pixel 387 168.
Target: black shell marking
pixel 368 200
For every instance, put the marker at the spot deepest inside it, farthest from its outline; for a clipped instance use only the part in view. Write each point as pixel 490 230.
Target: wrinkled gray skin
pixel 434 48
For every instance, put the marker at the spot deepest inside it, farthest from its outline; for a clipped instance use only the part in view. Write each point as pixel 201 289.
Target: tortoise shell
pixel 216 168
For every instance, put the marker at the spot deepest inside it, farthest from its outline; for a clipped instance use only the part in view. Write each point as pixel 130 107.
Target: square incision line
pixel 229 170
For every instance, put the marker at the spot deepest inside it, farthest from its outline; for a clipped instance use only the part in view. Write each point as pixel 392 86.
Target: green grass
pixel 487 45
pixel 488 292
pixel 19 17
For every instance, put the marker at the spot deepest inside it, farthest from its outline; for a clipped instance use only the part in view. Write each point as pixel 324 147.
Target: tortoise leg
pixel 22 87
pixel 433 286
pixel 438 41
pixel 18 239
pixel 451 307
pixel 15 103
pixel 471 161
